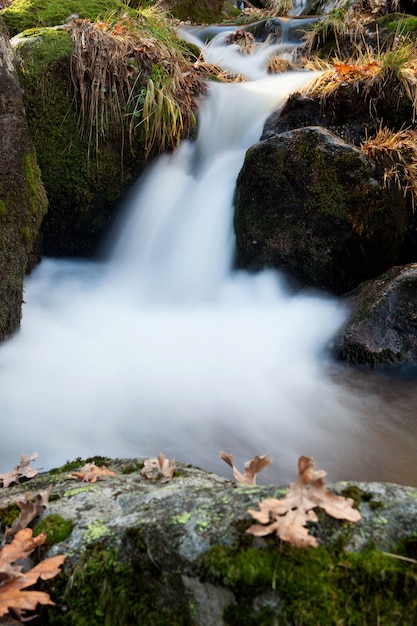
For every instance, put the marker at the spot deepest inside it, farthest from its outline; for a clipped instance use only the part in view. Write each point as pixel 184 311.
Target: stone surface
pixel 310 204
pixel 22 197
pixel 156 537
pixel 382 328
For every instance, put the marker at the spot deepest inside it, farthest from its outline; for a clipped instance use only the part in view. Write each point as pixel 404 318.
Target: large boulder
pixel 142 552
pixel 382 328
pixel 22 197
pixel 311 204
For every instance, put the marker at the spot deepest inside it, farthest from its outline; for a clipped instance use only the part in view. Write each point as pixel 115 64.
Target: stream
pixel 165 346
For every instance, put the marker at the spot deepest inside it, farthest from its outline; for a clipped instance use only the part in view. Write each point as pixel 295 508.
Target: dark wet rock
pixel 312 205
pixel 22 197
pixel 382 328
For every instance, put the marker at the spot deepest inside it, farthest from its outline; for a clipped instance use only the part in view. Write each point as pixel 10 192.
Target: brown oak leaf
pixel 90 473
pixel 21 470
pixel 251 468
pixel 30 508
pixel 159 467
pixel 288 516
pixel 13 582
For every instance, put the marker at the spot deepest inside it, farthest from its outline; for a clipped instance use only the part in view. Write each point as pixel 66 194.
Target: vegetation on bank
pixel 102 95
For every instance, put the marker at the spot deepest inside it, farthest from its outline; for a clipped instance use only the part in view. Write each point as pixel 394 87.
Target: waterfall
pixel 165 346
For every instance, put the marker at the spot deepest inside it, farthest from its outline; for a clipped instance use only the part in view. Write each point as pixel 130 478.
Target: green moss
pixel 50 47
pixel 23 14
pixel 198 11
pixel 8 514
pixel 69 466
pixel 81 192
pixel 77 463
pixel 104 591
pixel 314 586
pixel 55 527
pixel 132 467
pixel 2 207
pixel 398 23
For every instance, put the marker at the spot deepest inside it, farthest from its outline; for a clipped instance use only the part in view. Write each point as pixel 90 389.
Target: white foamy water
pixel 165 347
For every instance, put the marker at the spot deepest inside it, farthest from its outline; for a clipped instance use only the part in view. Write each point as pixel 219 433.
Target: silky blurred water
pixel 166 347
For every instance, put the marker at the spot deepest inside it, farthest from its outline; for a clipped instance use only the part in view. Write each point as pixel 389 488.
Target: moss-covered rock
pixel 310 204
pixel 20 15
pixel 81 189
pixel 142 552
pixel 197 11
pixel 87 167
pixel 23 201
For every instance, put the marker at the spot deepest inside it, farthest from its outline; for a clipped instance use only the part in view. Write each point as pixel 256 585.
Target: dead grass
pixel 131 74
pixel 369 71
pixel 400 149
pixel 278 65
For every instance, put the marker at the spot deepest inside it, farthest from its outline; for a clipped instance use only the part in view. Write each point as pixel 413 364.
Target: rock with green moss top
pixel 310 204
pixel 82 191
pixel 23 201
pixel 382 327
pixel 20 15
pixel 142 552
pixel 197 11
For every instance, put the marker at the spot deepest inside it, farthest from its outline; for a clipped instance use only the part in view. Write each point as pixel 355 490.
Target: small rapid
pixel 165 346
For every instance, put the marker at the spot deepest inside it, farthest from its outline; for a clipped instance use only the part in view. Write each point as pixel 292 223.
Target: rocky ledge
pixel 140 551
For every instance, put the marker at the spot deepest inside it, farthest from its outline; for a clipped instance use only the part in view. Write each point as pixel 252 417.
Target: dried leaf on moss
pixel 289 516
pixel 30 508
pixel 91 473
pixel 251 468
pixel 23 470
pixel 13 581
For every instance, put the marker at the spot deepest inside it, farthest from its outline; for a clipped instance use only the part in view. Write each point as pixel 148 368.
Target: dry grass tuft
pixel 208 71
pixel 243 39
pixel 368 71
pixel 278 65
pixel 401 150
pixel 131 75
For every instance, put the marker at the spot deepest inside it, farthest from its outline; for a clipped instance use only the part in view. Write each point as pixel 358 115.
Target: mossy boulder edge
pixel 23 201
pixel 139 551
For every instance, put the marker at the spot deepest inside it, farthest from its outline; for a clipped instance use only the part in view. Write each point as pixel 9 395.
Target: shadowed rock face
pixel 383 326
pixel 22 197
pixel 310 204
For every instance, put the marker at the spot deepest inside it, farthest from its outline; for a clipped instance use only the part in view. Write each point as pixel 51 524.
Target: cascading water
pixel 165 347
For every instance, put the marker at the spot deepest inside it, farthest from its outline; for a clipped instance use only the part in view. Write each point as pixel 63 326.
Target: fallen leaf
pixel 30 508
pixel 90 473
pixel 251 468
pixel 13 592
pixel 159 468
pixel 287 517
pixel 21 470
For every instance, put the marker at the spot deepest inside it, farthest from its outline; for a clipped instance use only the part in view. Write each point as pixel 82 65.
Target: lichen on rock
pixel 178 554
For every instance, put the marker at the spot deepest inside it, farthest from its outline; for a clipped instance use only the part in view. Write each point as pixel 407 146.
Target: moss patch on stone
pixel 55 527
pixel 80 204
pixel 8 514
pixel 24 14
pixel 103 590
pixel 198 11
pixel 313 586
